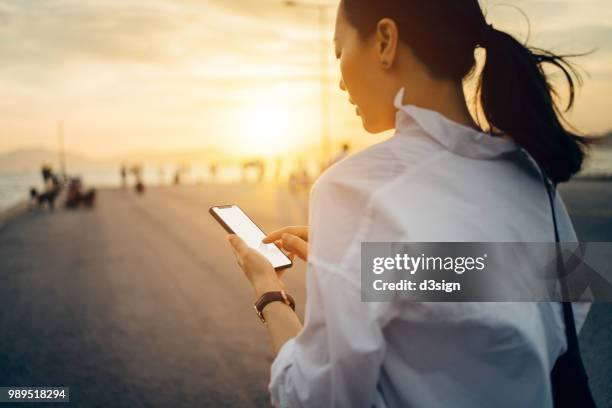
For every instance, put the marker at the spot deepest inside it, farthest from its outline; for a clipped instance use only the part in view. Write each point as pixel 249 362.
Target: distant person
pixel 305 179
pixel 140 187
pixel 178 175
pixel 441 177
pixel 76 196
pixel 213 171
pixel 33 195
pixel 46 173
pixel 344 151
pixel 52 188
pixel 139 183
pixel 123 173
pixel 261 166
pixel 293 182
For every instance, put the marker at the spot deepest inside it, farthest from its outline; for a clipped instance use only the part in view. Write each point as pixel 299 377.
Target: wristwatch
pixel 270 297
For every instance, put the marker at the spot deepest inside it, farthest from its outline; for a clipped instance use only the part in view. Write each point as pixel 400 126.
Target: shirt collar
pixel 455 137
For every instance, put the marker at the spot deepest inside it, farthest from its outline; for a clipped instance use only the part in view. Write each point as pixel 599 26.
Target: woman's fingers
pixel 295 245
pixel 298 230
pixel 237 243
pixel 279 244
pixel 287 244
pixel 274 235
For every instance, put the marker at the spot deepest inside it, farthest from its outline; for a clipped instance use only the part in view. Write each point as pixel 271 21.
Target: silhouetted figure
pixel 76 196
pixel 139 186
pixel 262 170
pixel 46 173
pixel 51 190
pixel 305 179
pixel 178 175
pixel 213 171
pixel 343 153
pixel 123 172
pixel 293 183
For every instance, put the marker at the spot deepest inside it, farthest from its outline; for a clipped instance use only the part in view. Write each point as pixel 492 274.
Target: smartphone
pixel 235 221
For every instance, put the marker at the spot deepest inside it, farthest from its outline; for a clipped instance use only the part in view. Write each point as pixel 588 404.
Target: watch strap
pixel 269 297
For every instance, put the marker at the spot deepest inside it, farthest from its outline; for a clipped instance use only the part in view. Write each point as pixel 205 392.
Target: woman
pixel 439 178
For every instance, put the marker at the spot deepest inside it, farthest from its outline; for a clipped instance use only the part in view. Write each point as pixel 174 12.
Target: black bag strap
pixel 568 315
pixel 570 383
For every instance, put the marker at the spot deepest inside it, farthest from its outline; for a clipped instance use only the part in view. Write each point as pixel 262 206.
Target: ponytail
pixel 513 91
pixel 517 99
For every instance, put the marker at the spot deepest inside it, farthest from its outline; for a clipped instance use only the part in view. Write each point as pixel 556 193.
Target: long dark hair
pixel 514 93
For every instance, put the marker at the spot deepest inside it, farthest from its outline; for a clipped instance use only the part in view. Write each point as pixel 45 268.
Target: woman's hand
pixel 258 270
pixel 292 239
pixel 282 322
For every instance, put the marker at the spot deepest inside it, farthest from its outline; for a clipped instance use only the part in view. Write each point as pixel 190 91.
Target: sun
pixel 265 130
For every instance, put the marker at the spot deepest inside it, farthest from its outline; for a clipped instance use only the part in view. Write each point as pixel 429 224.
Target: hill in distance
pixel 31 159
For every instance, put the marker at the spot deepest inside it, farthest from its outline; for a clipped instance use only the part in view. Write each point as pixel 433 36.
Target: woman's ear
pixel 386 42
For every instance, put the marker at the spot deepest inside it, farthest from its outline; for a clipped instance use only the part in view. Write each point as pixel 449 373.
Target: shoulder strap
pixel 570 383
pixel 568 315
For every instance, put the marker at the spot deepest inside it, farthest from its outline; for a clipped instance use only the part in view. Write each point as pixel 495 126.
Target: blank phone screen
pixel 246 229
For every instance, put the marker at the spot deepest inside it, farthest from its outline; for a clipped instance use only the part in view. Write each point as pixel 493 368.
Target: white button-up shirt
pixel 433 180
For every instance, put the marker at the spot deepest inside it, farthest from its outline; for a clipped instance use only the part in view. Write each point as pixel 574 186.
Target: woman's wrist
pixel 264 285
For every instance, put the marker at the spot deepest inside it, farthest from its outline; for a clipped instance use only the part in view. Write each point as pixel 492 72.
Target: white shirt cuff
pixel 279 392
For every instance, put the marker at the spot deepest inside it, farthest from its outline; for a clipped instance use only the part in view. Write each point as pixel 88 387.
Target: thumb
pixel 237 244
pixel 295 244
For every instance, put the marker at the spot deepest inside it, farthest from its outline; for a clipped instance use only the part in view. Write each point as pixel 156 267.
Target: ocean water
pixel 599 162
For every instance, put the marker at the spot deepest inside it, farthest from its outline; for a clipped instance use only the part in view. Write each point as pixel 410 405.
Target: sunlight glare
pixel 265 130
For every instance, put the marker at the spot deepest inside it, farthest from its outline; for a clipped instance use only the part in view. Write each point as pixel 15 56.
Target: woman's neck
pixel 444 97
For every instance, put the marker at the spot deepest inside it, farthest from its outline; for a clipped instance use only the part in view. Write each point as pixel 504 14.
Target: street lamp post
pixel 62 157
pixel 324 67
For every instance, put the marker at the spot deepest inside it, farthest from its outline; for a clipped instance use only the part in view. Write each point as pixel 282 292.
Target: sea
pixel 15 186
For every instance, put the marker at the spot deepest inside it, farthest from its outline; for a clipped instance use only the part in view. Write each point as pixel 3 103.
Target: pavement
pixel 139 302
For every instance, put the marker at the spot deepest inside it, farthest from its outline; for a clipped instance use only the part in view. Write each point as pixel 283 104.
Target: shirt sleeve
pixel 336 359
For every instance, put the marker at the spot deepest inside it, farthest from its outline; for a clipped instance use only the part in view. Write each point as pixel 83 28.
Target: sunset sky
pixel 243 75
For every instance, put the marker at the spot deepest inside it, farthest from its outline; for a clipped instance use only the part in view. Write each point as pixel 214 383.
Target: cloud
pixel 119 69
pixel 41 40
pixel 51 32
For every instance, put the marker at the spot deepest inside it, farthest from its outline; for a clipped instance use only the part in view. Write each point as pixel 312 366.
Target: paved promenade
pixel 140 303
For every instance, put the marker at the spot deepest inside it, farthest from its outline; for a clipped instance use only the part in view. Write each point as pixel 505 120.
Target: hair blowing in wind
pixel 513 91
